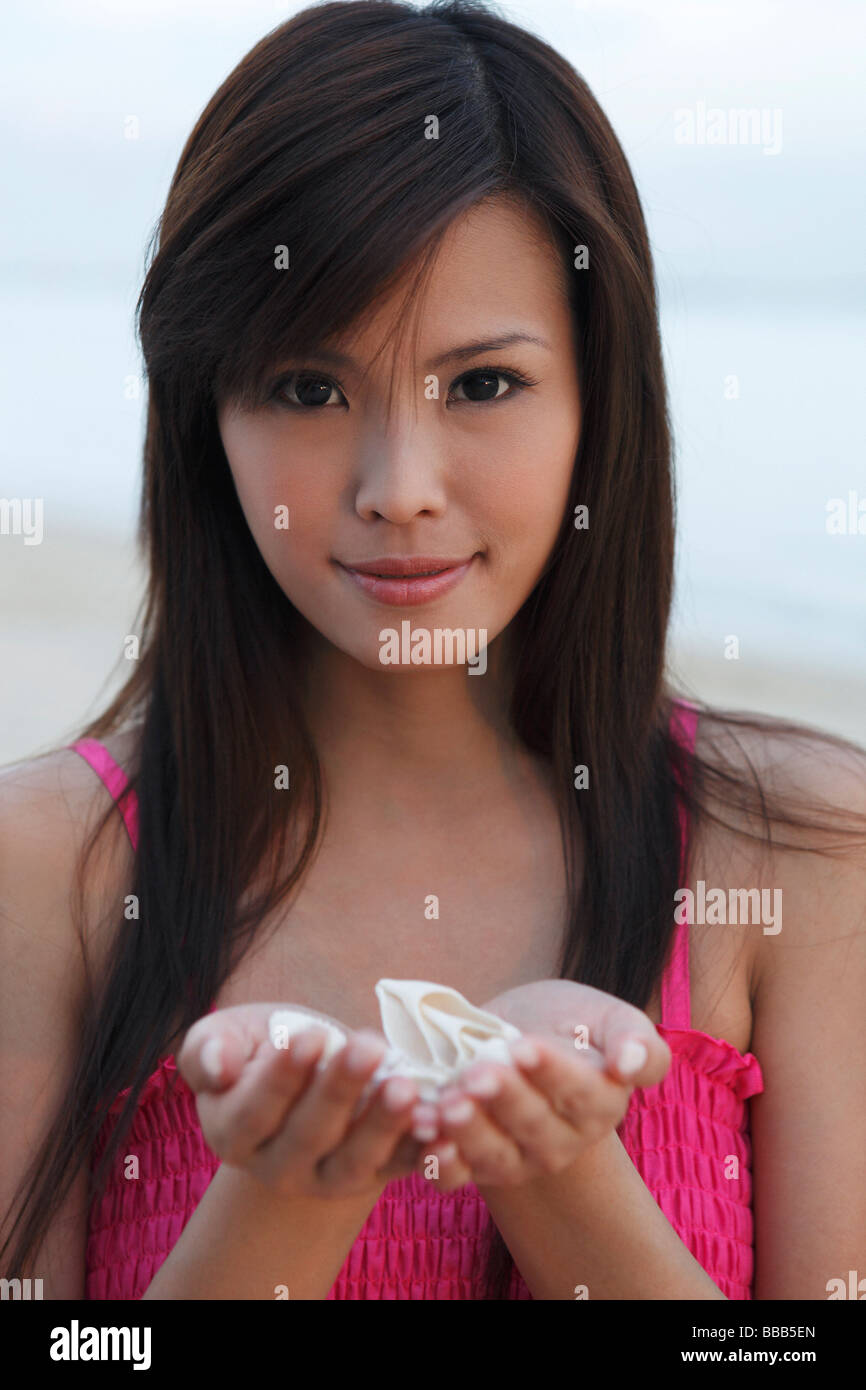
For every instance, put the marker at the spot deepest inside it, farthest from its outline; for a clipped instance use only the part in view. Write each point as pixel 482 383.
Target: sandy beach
pixel 67 605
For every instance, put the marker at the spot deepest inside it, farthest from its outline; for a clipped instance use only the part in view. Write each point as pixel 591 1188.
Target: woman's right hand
pixel 269 1111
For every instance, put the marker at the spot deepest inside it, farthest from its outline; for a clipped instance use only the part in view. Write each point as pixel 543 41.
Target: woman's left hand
pixel 582 1054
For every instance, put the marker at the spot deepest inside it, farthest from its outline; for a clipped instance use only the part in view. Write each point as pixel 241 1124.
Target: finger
pixel 371 1142
pixel 443 1165
pixel 637 1060
pixel 239 1120
pixel 321 1118
pixel 633 1050
pixel 403 1161
pixel 213 1053
pixel 425 1122
pixel 490 1153
pixel 546 1140
pixel 581 1092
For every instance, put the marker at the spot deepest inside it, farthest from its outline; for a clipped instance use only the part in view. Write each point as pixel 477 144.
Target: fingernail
pixel 447 1153
pixel 487 1084
pixel 525 1052
pixel 362 1053
pixel 458 1112
pixel 631 1057
pixel 305 1046
pixel 398 1093
pixel 212 1058
pixel 425 1123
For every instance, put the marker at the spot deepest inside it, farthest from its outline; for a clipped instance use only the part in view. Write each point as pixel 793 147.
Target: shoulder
pixel 814 790
pixel 793 758
pixel 812 785
pixel 780 898
pixel 808 1126
pixel 50 958
pixel 50 807
pixel 58 795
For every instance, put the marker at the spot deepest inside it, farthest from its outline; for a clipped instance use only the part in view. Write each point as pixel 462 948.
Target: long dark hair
pixel 316 142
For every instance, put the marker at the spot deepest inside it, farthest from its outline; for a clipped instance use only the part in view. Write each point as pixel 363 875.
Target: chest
pixel 480 906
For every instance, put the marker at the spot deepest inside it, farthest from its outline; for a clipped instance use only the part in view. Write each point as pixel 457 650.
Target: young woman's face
pixel 475 477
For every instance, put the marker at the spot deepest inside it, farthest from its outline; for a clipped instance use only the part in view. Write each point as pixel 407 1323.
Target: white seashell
pixel 284 1024
pixel 433 1033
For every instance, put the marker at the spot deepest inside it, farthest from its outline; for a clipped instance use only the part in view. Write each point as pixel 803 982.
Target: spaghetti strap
pixel 114 778
pixel 676 1009
pixel 117 782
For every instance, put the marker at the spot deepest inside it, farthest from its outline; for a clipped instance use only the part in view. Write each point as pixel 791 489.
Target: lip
pixel 404 582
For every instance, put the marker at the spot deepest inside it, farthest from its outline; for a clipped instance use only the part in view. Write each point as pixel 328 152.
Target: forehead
pixel 496 268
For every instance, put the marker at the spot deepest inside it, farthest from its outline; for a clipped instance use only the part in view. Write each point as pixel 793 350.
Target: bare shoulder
pixel 49 807
pixel 789 758
pixel 808 1028
pixel 817 866
pixel 819 781
pixel 59 791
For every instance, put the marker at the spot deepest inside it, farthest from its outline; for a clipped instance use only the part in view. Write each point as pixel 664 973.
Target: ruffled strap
pixel 155 1085
pixel 716 1059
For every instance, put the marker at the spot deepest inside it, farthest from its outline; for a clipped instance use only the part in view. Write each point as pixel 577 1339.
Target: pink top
pixel 419 1242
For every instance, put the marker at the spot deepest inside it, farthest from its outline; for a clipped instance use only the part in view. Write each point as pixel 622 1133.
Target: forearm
pixel 596 1225
pixel 244 1242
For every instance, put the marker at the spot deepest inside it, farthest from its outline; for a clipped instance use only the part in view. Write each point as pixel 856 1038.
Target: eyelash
pixel 517 379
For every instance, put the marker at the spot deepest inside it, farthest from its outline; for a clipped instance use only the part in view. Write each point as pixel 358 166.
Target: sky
pixel 79 193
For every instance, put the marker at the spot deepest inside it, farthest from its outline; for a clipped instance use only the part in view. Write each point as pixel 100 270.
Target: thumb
pixel 637 1056
pixel 214 1052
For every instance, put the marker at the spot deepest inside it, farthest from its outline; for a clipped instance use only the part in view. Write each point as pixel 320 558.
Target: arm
pixel 244 1241
pixel 596 1224
pixel 45 810
pixel 306 1152
pixel 809 1125
pixel 544 1152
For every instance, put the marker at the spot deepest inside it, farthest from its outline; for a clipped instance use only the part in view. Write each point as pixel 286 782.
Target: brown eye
pixel 484 384
pixel 311 392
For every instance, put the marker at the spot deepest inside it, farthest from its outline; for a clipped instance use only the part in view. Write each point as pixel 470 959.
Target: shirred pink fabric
pixel 418 1242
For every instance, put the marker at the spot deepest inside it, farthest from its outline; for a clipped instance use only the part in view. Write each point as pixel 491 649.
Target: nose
pixel 400 475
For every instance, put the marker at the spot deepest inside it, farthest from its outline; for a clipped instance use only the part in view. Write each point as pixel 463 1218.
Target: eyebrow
pixel 460 354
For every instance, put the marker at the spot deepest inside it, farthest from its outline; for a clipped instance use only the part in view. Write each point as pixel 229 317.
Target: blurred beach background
pixel 758 253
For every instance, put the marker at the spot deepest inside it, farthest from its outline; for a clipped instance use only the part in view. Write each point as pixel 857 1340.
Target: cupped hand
pixel 573 1073
pixel 298 1129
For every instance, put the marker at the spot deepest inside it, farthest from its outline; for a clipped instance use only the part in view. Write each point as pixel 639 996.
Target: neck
pixel 432 727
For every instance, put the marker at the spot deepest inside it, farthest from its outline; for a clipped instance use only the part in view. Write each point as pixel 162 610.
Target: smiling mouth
pixel 403 574
pixel 408 579
pixel 405 566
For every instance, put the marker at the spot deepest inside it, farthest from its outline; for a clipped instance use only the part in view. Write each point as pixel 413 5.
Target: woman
pixel 520 822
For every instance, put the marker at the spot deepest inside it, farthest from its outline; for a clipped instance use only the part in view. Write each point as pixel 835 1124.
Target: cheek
pixel 283 497
pixel 524 490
